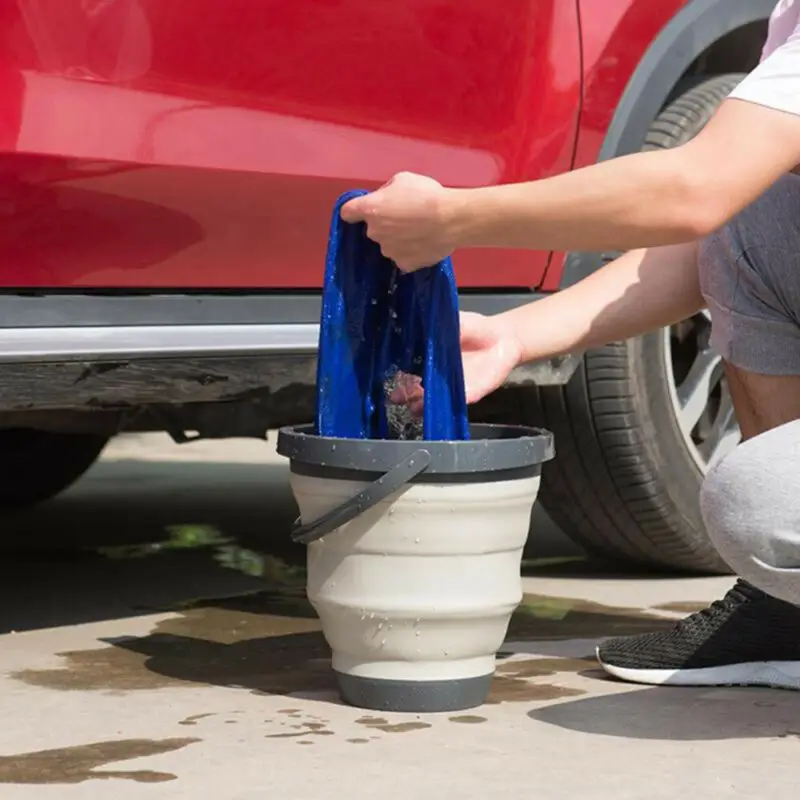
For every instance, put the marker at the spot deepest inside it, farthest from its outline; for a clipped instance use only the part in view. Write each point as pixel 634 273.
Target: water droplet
pixel 416 622
pixel 416 541
pixel 417 634
pixel 383 642
pixel 446 652
pixel 380 625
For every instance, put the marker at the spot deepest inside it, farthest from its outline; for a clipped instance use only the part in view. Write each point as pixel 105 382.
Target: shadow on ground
pixel 205 546
pixel 680 714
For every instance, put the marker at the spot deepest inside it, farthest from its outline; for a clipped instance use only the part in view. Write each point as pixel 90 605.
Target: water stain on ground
pixel 193 720
pixel 247 642
pixel 513 679
pixel 270 642
pixel 467 719
pixel 80 763
pixel 403 727
pixel 381 724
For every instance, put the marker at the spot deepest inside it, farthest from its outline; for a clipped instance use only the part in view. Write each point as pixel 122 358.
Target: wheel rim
pixel 699 392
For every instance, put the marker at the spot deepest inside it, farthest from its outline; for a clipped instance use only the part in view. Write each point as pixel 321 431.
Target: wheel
pixel 641 421
pixel 36 465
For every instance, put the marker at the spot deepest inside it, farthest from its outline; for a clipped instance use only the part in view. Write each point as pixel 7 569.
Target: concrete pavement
pixel 144 656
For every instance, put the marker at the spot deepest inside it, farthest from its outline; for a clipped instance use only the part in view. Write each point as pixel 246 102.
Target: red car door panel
pixel 202 143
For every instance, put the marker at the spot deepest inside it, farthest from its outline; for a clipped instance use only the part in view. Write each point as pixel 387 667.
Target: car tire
pixel 37 465
pixel 633 436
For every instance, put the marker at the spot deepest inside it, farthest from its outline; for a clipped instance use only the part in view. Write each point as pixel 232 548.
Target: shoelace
pixel 741 592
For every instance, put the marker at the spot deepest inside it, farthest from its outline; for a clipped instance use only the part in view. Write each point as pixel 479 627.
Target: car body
pixel 169 170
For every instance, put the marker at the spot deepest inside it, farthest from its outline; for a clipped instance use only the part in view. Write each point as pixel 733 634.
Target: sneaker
pixel 746 639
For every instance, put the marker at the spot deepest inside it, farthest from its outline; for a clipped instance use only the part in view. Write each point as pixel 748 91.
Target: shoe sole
pixel 773 674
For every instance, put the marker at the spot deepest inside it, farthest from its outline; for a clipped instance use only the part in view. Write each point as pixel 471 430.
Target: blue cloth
pixel 376 321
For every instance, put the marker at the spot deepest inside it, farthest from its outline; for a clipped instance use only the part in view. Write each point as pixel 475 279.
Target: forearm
pixel 642 200
pixel 640 291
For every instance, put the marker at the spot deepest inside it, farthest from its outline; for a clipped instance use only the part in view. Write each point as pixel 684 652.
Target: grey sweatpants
pixel 750 277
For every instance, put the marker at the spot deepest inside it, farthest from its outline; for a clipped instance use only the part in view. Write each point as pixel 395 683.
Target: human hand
pixel 407 218
pixel 490 349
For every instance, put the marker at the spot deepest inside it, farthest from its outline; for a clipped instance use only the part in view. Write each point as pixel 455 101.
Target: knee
pixel 726 501
pixel 727 505
pixel 751 509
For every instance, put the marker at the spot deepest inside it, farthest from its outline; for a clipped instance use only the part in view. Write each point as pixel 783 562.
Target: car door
pixel 202 143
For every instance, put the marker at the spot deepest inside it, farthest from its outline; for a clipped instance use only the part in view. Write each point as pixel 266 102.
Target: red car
pixel 168 173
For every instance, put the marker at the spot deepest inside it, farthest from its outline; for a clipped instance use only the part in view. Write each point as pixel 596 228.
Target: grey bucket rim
pixel 492 449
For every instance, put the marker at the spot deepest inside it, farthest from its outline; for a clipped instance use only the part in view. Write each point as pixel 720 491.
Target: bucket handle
pixel 387 484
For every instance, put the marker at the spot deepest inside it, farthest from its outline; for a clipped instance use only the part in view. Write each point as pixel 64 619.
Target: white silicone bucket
pixel 415 579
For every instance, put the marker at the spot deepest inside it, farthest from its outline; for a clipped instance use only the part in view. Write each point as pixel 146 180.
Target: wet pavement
pixel 156 643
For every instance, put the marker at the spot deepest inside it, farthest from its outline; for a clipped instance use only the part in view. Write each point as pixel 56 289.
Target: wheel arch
pixel 705 38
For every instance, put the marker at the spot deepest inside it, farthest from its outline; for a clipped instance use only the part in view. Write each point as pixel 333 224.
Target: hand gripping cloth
pixel 381 327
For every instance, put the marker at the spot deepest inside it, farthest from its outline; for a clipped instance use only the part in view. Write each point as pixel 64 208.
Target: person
pixel 714 223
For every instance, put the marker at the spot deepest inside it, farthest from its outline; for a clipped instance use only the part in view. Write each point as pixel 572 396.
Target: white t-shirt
pixel 775 83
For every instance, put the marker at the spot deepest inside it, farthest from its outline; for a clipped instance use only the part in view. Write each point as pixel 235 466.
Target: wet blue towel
pixel 376 321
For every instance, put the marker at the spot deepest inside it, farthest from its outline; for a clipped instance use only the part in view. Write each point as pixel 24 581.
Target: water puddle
pixel 82 762
pixel 194 719
pixel 269 642
pixel 381 724
pixel 513 679
pixel 259 643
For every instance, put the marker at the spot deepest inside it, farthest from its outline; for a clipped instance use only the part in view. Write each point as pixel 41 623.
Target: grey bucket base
pixel 419 697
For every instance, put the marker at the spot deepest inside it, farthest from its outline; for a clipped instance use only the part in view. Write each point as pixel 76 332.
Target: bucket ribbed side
pixel 416 589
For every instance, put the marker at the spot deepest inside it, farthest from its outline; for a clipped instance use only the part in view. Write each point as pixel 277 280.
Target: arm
pixel 643 200
pixel 640 291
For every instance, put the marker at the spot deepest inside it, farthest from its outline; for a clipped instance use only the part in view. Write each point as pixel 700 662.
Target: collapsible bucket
pixel 414 551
